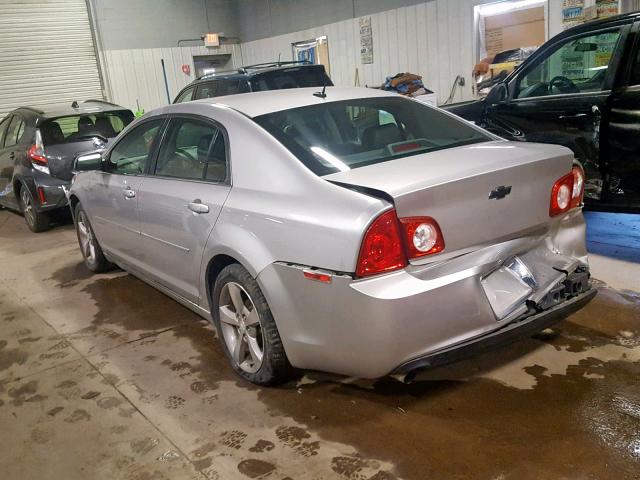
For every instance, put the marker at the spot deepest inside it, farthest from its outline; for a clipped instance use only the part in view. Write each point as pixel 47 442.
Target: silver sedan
pixel 352 230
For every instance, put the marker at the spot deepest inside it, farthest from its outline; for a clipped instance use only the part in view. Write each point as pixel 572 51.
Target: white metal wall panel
pixel 135 75
pixel 434 39
pixel 47 54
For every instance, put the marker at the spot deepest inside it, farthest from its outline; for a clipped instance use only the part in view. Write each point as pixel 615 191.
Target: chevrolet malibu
pixel 347 230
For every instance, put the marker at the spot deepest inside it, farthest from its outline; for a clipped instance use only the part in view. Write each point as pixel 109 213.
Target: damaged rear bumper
pixel 524 326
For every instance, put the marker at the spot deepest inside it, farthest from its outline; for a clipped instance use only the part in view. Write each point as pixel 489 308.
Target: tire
pixel 94 259
pixel 36 221
pixel 251 330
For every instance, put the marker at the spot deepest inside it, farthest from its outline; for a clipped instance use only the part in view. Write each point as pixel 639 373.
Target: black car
pixel 38 149
pixel 581 89
pixel 256 78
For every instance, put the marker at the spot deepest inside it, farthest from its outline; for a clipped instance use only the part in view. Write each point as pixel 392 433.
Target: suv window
pixel 78 128
pixel 185 96
pixel 231 87
pixel 14 132
pixel 192 150
pixel 207 90
pixel 130 154
pixel 294 77
pixel 579 65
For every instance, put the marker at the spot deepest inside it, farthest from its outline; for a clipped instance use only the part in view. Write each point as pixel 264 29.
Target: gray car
pixel 350 230
pixel 38 150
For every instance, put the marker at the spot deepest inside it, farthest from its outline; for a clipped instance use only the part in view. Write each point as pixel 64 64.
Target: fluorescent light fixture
pixel 331 159
pixel 507 6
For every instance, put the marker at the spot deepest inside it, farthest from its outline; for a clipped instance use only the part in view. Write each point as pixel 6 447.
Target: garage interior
pixel 103 376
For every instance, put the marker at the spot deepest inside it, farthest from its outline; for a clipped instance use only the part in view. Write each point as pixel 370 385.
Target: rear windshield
pixel 340 136
pixel 78 128
pixel 294 77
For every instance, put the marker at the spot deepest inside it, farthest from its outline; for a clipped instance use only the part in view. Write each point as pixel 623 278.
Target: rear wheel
pixel 93 257
pixel 36 221
pixel 247 330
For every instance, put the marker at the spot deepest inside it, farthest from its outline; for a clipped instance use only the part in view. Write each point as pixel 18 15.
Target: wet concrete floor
pixel 101 376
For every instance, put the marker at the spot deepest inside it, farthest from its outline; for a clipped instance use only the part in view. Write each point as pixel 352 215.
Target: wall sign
pixel 186 69
pixel 366 40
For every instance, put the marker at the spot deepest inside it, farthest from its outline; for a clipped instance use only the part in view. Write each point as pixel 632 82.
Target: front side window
pixel 3 128
pixel 578 66
pixel 185 96
pixel 192 150
pixel 80 128
pixel 130 154
pixel 339 136
pixel 14 132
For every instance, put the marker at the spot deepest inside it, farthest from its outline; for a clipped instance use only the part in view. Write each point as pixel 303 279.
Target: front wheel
pixel 247 330
pixel 35 220
pixel 93 257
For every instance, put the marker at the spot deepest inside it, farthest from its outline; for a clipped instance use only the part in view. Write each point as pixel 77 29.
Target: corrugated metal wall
pixel 136 78
pixel 433 39
pixel 47 54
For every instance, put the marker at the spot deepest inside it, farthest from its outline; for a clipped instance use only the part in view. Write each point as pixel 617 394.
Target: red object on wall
pixel 186 69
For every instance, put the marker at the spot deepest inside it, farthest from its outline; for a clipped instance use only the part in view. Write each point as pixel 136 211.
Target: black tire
pixel 96 261
pixel 275 367
pixel 35 220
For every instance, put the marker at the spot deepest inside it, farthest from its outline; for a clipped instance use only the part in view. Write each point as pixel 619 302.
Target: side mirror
pixel 498 94
pixel 88 161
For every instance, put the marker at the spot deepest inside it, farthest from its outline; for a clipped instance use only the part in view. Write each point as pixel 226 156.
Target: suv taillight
pixel 567 192
pixel 37 156
pixel 389 241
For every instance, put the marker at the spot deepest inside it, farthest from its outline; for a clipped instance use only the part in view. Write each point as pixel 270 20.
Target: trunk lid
pixel 454 186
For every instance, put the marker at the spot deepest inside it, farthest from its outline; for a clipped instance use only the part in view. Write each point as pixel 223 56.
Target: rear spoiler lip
pixel 372 192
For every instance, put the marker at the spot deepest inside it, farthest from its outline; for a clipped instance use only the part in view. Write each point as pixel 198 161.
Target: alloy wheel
pixel 86 238
pixel 27 206
pixel 241 327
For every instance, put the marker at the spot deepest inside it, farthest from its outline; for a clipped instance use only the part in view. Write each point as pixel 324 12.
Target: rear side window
pixel 185 96
pixel 192 150
pixel 14 132
pixel 294 77
pixel 340 136
pixel 79 128
pixel 206 90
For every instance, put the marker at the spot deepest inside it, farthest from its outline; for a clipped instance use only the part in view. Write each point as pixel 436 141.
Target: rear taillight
pixel 567 192
pixel 37 156
pixel 381 249
pixel 390 240
pixel 423 236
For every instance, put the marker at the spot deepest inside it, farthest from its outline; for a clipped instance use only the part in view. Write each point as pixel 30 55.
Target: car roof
pixel 250 71
pixel 260 103
pixel 87 108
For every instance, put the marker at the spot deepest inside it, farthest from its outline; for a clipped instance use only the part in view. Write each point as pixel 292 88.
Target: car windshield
pixel 340 136
pixel 82 127
pixel 294 77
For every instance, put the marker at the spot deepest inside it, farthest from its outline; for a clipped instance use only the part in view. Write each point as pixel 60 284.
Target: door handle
pixel 128 193
pixel 12 155
pixel 198 207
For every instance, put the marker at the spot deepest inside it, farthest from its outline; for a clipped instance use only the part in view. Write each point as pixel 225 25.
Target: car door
pixel 180 201
pixel 561 96
pixel 6 169
pixel 112 201
pixel 621 156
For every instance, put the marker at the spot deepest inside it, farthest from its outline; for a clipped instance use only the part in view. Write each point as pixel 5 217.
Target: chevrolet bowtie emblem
pixel 500 192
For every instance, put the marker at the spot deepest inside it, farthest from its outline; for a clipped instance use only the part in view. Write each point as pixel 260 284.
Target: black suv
pixel 38 150
pixel 256 78
pixel 581 89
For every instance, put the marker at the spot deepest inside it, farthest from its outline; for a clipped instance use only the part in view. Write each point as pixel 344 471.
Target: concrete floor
pixel 103 377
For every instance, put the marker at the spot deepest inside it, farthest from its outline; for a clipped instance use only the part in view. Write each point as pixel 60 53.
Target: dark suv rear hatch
pixel 66 137
pixel 292 77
